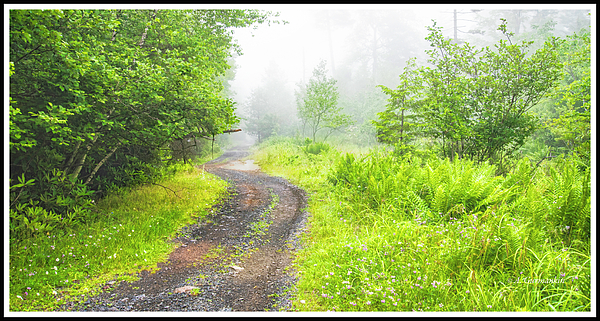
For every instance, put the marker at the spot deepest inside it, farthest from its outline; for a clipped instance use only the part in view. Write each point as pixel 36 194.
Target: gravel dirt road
pixel 238 260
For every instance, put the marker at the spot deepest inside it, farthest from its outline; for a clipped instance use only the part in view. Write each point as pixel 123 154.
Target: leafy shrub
pixel 555 199
pixel 316 148
pixel 60 204
pixel 568 202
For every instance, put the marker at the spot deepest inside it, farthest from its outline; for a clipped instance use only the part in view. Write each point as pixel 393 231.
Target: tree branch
pixel 166 188
pixel 72 158
pixel 141 43
pixel 100 163
pixel 27 54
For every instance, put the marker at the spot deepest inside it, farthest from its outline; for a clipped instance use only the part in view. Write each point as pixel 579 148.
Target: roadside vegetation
pixel 399 233
pixel 129 231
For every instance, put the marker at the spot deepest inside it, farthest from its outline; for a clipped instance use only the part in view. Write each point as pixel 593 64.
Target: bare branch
pixel 166 188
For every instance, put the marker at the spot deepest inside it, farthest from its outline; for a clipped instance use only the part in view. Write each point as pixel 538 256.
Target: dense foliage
pixel 398 233
pixel 570 123
pixel 474 102
pixel 95 87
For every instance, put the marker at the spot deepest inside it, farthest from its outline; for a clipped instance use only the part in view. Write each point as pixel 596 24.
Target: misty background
pixel 363 46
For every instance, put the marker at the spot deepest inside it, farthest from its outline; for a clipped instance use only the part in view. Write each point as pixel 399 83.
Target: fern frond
pixel 418 205
pixel 441 199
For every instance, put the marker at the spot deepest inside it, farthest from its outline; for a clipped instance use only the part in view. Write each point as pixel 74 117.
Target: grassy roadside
pixel 129 233
pixel 412 235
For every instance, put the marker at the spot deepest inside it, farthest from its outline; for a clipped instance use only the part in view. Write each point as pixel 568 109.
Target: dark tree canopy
pixel 89 87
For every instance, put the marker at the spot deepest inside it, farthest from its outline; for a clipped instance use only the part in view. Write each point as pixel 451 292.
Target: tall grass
pixel 128 233
pixel 406 234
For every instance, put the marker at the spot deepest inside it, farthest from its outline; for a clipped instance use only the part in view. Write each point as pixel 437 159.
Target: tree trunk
pixel 518 22
pixel 303 128
pixel 303 66
pixel 114 35
pixel 455 27
pixel 402 127
pixel 144 34
pixel 141 43
pixel 72 158
pixel 374 54
pixel 212 147
pixel 81 162
pixel 101 163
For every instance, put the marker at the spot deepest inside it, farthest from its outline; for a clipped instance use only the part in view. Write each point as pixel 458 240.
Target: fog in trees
pixel 364 47
pixel 269 110
pixel 361 49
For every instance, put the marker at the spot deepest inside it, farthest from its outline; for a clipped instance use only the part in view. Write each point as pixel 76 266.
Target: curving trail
pixel 235 262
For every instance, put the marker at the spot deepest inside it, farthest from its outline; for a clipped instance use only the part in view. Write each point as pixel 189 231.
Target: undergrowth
pixel 128 233
pixel 407 234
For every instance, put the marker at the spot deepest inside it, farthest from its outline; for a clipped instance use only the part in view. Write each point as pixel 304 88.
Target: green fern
pixel 417 205
pixel 441 199
pixel 568 201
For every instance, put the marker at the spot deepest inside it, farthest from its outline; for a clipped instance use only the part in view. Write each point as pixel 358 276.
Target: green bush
pixel 568 202
pixel 315 148
pixel 61 204
pixel 402 233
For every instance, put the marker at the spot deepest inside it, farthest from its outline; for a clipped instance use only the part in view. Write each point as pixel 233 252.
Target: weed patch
pixel 406 234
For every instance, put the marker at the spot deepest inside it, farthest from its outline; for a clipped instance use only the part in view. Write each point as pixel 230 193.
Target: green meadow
pixel 390 233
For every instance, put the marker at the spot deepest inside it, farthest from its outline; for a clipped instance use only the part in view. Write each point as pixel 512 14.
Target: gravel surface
pixel 239 260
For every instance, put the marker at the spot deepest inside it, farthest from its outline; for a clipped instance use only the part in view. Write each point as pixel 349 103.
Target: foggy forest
pixel 446 153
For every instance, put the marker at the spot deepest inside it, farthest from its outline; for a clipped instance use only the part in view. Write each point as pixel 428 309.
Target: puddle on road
pixel 247 165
